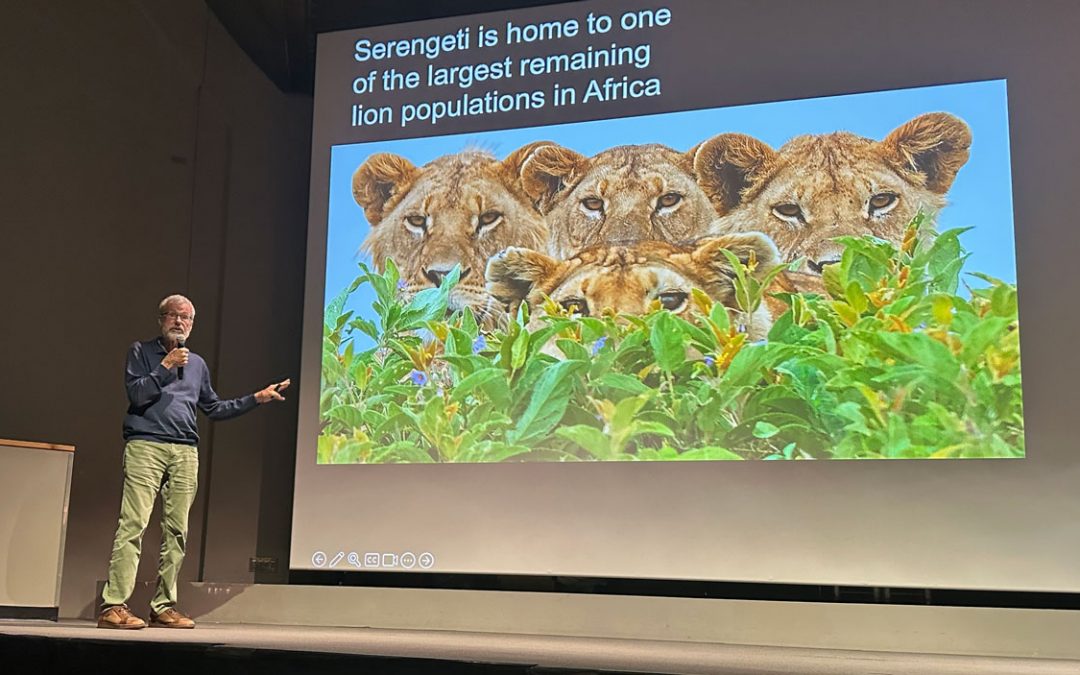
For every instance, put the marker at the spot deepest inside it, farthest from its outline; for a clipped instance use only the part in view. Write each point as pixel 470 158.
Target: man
pixel 165 383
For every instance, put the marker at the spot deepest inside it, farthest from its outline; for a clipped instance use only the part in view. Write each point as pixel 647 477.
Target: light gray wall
pixel 144 154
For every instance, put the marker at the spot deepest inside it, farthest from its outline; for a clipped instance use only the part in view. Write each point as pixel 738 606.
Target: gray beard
pixel 173 335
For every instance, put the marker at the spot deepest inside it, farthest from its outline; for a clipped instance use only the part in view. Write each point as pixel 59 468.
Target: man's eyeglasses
pixel 186 318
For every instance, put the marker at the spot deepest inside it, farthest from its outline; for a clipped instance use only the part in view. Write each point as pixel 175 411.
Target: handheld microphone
pixel 180 369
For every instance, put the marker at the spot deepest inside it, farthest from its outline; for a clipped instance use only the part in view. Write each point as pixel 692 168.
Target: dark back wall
pixel 144 154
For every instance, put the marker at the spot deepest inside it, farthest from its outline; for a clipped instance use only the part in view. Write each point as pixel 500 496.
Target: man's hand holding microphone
pixel 177 358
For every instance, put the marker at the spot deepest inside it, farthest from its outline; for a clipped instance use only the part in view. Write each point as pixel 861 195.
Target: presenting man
pixel 165 383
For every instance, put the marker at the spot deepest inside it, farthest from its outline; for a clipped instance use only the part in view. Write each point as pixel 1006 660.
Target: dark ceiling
pixel 279 35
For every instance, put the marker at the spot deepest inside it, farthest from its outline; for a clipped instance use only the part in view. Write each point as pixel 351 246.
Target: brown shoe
pixel 170 618
pixel 120 617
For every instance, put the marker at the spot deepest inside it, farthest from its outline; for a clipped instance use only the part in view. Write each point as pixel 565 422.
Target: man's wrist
pixel 163 372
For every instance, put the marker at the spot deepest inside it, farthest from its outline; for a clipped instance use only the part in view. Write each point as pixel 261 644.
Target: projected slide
pixel 595 289
pixel 828 278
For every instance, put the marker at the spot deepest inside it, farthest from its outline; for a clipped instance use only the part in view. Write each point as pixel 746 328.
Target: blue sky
pixel 981 196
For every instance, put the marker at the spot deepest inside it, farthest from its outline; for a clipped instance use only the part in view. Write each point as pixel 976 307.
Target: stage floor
pixel 506 653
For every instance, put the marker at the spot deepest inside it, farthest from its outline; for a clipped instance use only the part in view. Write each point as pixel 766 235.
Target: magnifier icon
pixel 354 559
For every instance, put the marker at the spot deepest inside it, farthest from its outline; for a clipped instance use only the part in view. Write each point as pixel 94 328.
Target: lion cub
pixel 817 187
pixel 632 277
pixel 459 209
pixel 626 193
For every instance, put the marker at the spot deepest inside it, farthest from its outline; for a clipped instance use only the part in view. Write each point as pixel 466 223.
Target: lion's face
pixel 632 278
pixel 456 210
pixel 627 193
pixel 819 187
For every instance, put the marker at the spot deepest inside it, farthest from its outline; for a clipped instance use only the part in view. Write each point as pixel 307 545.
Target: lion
pixel 625 193
pixel 818 187
pixel 457 210
pixel 633 277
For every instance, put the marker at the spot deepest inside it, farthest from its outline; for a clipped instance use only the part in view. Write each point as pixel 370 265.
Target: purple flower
pixel 401 285
pixel 418 377
pixel 479 344
pixel 709 361
pixel 598 345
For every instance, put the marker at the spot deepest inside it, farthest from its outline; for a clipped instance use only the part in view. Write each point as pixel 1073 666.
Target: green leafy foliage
pixel 892 362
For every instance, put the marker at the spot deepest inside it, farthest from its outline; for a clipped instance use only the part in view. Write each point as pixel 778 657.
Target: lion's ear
pixel 514 162
pixel 378 179
pixel 512 273
pixel 744 245
pixel 935 145
pixel 726 164
pixel 549 170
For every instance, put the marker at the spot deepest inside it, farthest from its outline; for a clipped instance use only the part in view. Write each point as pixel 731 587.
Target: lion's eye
pixel 488 218
pixel 417 222
pixel 788 211
pixel 672 300
pixel 575 306
pixel 882 201
pixel 669 200
pixel 593 204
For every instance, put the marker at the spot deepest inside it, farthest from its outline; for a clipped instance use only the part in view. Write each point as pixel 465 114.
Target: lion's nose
pixel 436 274
pixel 819 265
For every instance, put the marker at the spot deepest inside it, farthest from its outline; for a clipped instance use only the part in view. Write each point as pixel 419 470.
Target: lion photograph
pixel 818 187
pixel 828 278
pixel 455 211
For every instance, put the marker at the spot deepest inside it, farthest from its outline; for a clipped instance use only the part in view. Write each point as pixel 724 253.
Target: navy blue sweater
pixel 162 406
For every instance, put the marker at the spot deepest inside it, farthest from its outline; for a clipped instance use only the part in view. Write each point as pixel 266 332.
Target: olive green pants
pixel 150 468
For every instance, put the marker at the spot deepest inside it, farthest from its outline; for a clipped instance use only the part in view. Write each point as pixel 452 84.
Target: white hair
pixel 163 306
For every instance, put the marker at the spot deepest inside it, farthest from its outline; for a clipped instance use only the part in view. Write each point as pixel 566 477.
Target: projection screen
pixel 597 290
